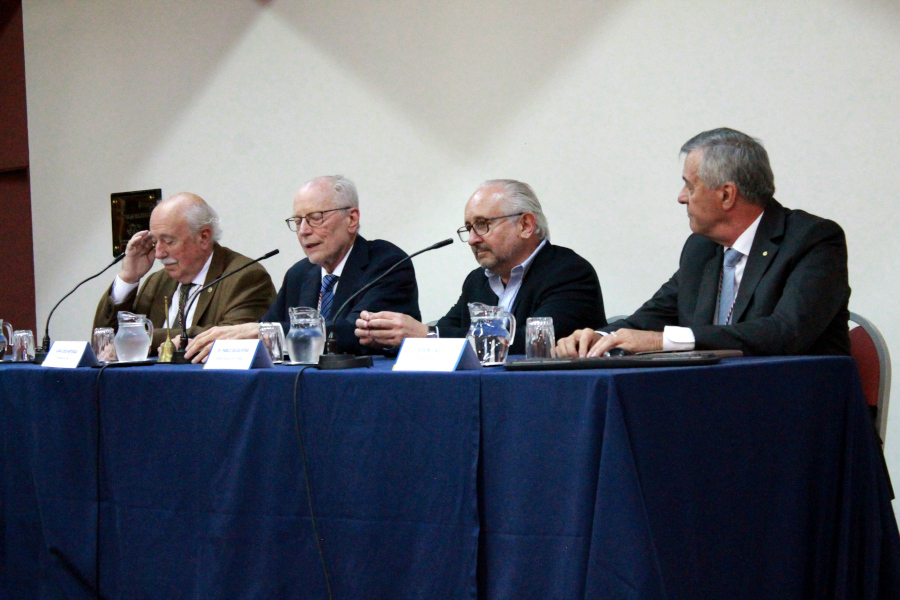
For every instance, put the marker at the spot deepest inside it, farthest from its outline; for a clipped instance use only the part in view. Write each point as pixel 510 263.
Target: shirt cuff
pixel 678 338
pixel 120 290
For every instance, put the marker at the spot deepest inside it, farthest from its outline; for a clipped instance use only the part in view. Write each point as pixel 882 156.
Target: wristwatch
pixel 432 332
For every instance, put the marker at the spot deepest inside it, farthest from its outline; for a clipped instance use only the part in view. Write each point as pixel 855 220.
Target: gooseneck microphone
pixel 183 310
pixel 45 344
pixel 331 359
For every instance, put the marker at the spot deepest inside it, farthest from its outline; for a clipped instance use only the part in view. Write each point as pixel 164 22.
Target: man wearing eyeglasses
pixel 519 269
pixel 184 236
pixel 338 263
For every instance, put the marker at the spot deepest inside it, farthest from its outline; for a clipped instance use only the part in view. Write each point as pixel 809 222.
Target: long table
pixel 752 478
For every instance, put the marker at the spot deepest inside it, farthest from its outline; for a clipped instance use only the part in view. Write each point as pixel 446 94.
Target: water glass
pixel 540 340
pixel 23 346
pixel 102 343
pixel 272 336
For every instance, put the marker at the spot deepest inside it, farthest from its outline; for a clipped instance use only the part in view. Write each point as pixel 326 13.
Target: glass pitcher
pixel 491 333
pixel 133 339
pixel 5 340
pixel 306 339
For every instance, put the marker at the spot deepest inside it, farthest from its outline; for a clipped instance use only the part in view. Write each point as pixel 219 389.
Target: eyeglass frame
pixel 467 229
pixel 292 221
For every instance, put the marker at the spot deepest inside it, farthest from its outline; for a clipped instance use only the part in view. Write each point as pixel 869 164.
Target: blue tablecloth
pixel 753 478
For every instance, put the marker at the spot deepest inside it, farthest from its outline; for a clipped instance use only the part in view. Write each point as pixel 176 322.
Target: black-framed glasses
pixel 313 219
pixel 480 226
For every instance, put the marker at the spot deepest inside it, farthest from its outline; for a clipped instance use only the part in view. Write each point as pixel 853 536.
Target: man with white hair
pixel 184 236
pixel 339 263
pixel 519 269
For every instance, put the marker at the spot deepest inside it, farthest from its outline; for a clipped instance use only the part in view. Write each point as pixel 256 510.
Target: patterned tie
pixel 182 304
pixel 326 296
pixel 726 289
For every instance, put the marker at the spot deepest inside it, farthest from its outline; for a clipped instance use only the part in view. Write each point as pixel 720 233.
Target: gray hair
pixel 345 195
pixel 519 197
pixel 732 156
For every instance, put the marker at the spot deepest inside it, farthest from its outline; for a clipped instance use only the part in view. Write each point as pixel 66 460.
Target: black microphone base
pixel 179 359
pixel 39 357
pixel 332 362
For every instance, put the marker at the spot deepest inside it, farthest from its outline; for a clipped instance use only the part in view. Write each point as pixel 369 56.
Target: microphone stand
pixel 41 354
pixel 331 360
pixel 178 356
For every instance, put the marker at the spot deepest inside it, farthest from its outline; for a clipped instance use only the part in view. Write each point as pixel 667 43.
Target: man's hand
pixel 140 253
pixel 387 329
pixel 199 347
pixel 587 342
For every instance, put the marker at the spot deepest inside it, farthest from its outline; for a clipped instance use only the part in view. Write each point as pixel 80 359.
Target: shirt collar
pixel 340 267
pixel 744 243
pixel 522 267
pixel 200 279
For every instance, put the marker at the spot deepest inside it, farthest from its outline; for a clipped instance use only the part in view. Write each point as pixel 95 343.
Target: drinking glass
pixel 272 336
pixel 102 343
pixel 23 346
pixel 540 340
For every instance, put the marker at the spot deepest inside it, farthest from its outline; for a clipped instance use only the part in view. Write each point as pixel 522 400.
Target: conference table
pixel 753 478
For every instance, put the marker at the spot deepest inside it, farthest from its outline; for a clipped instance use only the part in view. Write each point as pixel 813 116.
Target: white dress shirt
pixel 120 291
pixel 682 338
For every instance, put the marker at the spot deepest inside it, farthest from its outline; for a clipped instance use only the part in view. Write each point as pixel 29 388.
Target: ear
pixel 527 226
pixel 729 196
pixel 353 215
pixel 205 236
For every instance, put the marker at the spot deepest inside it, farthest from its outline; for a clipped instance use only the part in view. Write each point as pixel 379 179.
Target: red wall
pixel 16 252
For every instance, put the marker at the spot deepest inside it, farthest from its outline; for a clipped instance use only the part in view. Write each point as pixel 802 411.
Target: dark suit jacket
pixel 559 284
pixel 792 299
pixel 241 298
pixel 396 292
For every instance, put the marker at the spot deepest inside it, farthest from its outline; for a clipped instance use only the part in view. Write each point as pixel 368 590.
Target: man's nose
pixel 683 196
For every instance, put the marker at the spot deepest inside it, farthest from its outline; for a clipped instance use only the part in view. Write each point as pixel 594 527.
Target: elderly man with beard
pixel 519 269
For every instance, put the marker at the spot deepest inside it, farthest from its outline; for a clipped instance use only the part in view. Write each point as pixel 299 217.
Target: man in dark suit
pixel 183 236
pixel 338 263
pixel 754 276
pixel 520 270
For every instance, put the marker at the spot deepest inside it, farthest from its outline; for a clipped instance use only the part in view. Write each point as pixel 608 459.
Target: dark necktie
pixel 326 296
pixel 182 303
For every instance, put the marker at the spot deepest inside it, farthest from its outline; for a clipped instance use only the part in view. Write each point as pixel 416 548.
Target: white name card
pixel 436 354
pixel 238 354
pixel 69 355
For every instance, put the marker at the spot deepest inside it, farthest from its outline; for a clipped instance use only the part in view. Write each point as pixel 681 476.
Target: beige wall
pixel 418 101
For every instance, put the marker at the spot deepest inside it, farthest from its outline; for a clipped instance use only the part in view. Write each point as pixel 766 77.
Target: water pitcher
pixel 492 331
pixel 306 339
pixel 132 341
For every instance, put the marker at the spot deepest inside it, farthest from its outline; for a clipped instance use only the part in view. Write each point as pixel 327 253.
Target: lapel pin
pixel 766 253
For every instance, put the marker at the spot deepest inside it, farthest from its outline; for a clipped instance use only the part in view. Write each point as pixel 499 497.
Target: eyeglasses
pixel 481 226
pixel 313 219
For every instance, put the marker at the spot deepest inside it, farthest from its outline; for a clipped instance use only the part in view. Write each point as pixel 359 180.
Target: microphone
pixel 183 310
pixel 45 344
pixel 331 359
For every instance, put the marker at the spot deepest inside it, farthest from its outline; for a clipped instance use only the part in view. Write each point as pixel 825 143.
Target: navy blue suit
pixel 559 284
pixel 793 295
pixel 368 259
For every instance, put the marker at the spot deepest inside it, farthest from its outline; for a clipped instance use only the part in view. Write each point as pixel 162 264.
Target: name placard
pixel 238 354
pixel 69 355
pixel 436 354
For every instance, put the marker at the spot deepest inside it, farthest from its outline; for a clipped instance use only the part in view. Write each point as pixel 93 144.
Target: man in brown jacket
pixel 183 236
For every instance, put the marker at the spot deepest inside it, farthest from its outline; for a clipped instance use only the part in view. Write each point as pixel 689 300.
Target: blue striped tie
pixel 326 296
pixel 726 293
